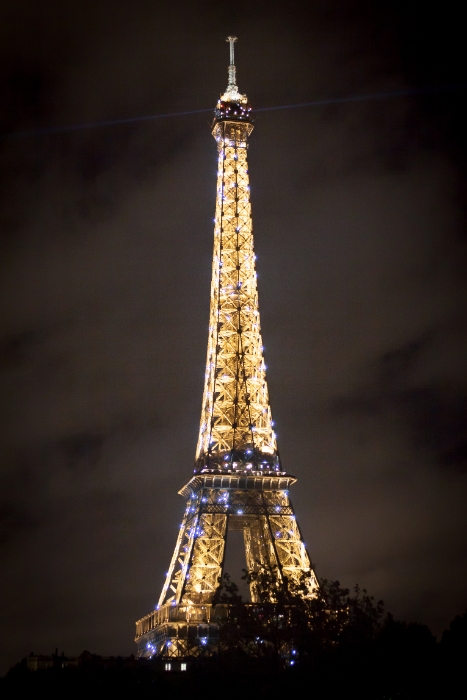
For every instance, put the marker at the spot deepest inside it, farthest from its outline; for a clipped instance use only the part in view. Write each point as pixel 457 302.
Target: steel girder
pixel 236 429
pixel 271 535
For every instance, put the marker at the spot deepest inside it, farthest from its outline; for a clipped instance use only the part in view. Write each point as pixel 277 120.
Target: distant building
pixel 41 662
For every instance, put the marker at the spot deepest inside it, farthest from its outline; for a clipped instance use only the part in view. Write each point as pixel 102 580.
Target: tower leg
pixel 205 571
pixel 260 507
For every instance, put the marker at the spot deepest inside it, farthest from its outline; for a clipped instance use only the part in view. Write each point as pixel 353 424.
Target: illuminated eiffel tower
pixel 239 482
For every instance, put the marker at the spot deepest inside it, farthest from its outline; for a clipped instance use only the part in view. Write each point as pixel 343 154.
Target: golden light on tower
pixel 236 425
pixel 239 483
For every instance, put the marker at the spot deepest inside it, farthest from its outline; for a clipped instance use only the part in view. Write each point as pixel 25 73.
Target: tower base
pixel 187 632
pixel 178 631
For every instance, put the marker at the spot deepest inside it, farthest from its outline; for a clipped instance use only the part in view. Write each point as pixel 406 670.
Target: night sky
pixel 359 220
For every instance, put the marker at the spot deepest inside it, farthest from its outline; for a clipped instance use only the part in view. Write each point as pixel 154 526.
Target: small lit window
pixel 168 667
pixel 182 667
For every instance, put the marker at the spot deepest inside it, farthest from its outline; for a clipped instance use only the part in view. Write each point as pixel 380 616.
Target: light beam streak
pixel 315 103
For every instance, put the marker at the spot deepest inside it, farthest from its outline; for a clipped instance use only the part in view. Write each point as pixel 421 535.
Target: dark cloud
pixel 106 243
pixel 16 349
pixel 397 363
pixel 13 521
pixel 434 416
pixel 82 450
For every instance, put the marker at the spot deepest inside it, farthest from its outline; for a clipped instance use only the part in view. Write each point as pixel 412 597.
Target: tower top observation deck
pixel 232 105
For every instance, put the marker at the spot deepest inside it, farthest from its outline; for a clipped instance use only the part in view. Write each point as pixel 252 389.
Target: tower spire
pixel 232 94
pixel 232 40
pixel 232 70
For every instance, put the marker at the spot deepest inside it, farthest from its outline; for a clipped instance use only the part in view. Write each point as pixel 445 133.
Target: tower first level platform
pixel 260 507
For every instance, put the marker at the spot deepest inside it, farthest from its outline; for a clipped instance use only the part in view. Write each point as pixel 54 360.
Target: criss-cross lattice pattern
pixel 236 431
pixel 258 508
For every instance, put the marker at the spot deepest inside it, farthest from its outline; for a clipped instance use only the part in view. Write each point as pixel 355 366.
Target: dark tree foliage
pixel 340 641
pixel 289 626
pixel 335 644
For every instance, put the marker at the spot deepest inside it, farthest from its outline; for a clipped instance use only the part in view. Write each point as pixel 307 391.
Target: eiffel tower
pixel 239 482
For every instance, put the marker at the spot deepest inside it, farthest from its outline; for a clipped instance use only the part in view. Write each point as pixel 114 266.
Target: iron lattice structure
pixel 239 483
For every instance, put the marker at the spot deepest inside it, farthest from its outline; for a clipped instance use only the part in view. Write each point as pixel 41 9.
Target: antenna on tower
pixel 232 86
pixel 232 40
pixel 232 94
